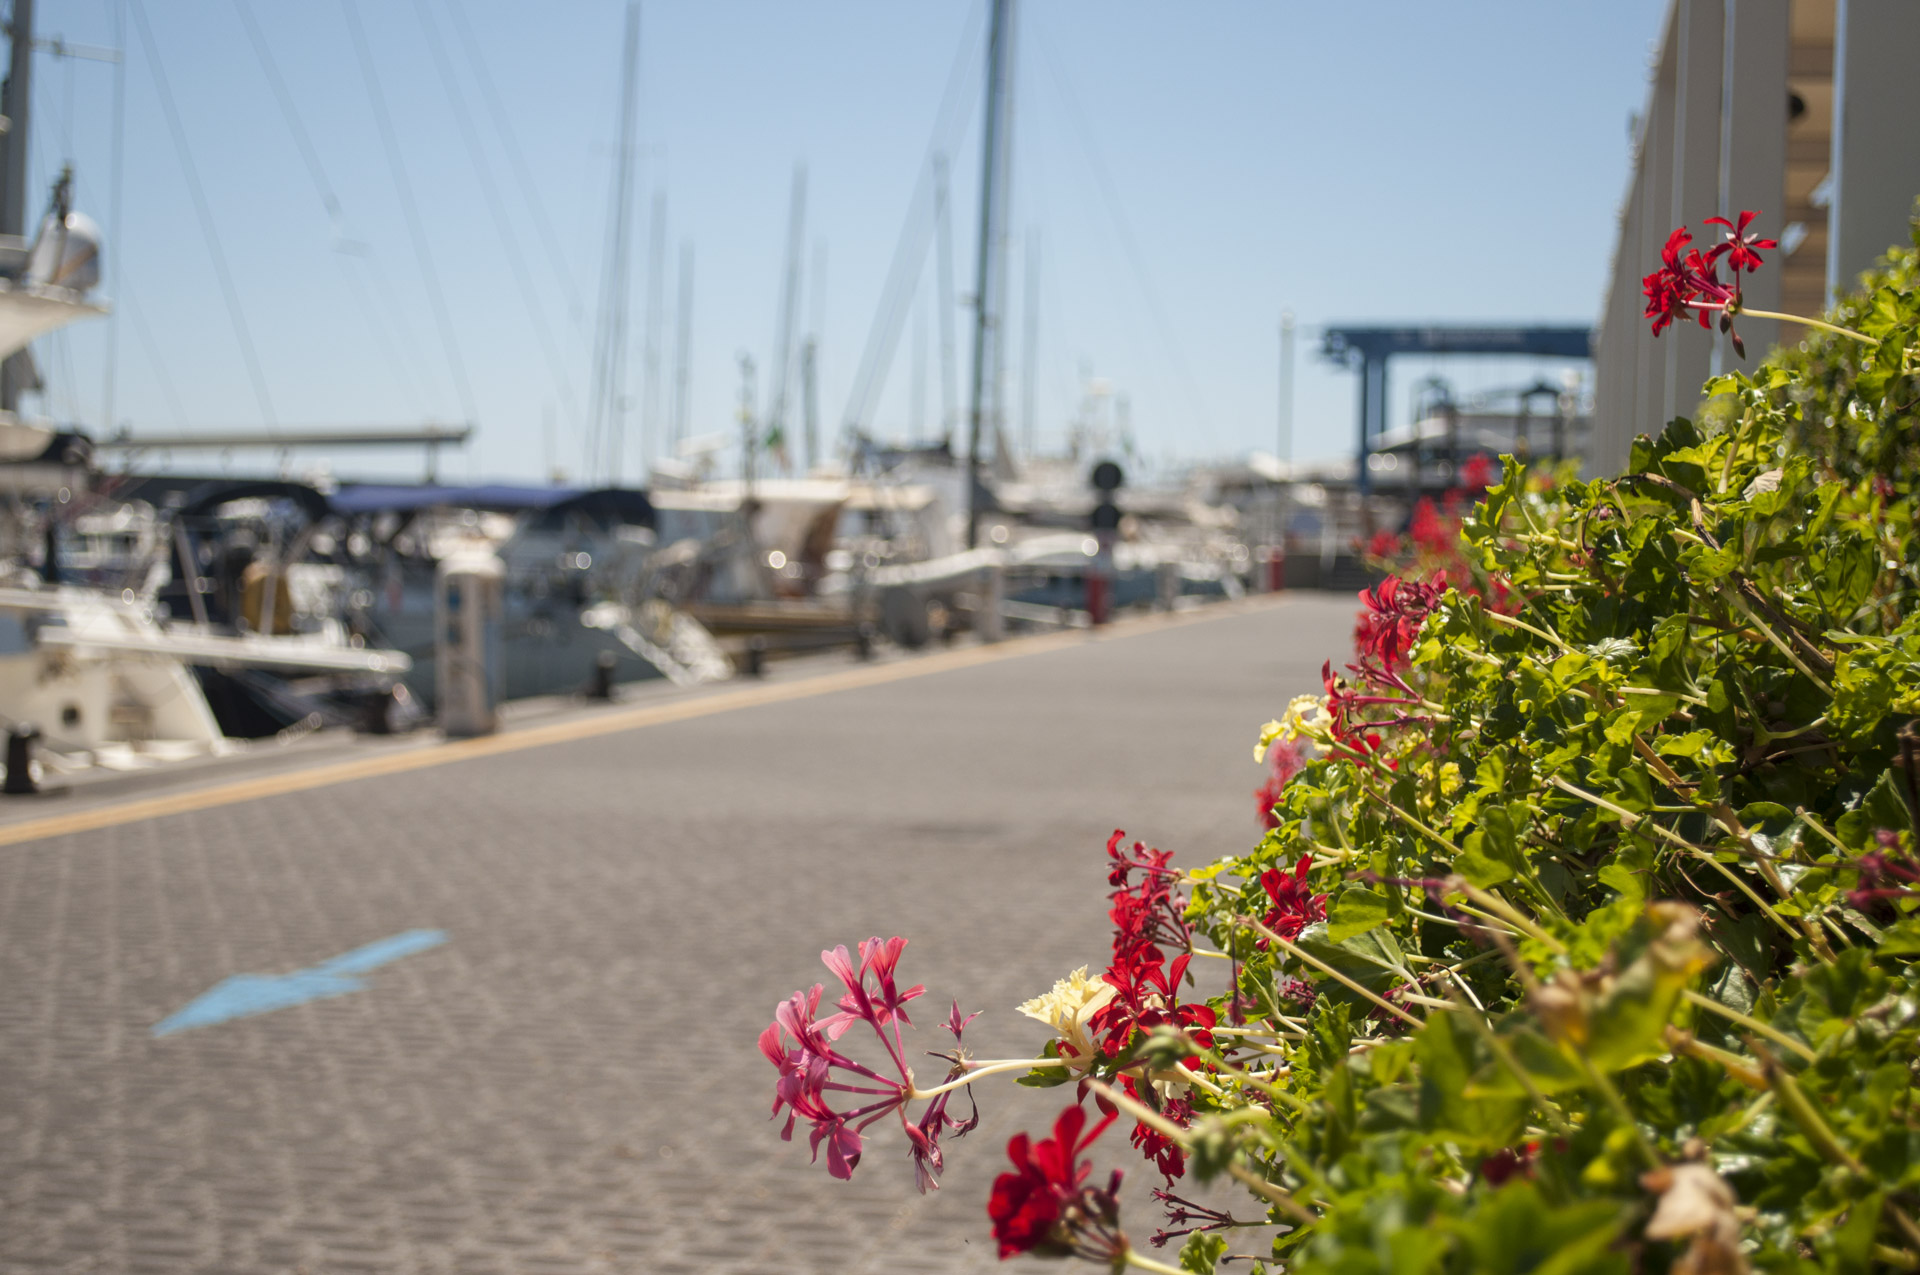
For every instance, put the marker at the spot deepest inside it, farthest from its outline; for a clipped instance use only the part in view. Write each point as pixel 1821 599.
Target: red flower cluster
pixel 800 1045
pixel 1476 472
pixel 1430 531
pixel 1688 280
pixel 1295 905
pixel 1044 1206
pixel 1430 546
pixel 1395 610
pixel 1161 1151
pixel 1384 633
pixel 1147 918
pixel 1345 704
pixel 1148 914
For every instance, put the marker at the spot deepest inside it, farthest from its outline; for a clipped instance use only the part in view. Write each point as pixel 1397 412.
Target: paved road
pixel 569 1084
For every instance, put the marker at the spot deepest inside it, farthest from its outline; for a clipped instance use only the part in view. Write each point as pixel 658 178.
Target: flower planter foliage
pixel 1588 942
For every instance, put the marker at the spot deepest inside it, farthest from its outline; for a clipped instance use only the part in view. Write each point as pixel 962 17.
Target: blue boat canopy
pixel 621 504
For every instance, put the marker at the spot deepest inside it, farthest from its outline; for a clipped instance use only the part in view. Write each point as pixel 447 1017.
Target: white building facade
pixel 1806 110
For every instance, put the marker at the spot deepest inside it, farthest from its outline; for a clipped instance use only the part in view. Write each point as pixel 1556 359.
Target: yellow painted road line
pixel 609 723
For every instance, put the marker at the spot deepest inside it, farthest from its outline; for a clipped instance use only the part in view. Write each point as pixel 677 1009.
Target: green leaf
pixel 1372 960
pixel 1045 1077
pixel 1201 1251
pixel 1627 872
pixel 1355 910
pixel 1514 1229
pixel 1900 939
pixel 1477 866
pixel 1759 812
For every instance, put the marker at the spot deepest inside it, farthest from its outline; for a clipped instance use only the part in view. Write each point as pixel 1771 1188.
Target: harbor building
pixel 1800 109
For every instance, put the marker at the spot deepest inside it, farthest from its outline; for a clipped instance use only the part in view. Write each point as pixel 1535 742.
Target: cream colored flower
pixel 1306 718
pixel 1068 1008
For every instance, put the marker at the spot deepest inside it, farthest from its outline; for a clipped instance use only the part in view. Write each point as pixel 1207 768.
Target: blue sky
pixel 1370 160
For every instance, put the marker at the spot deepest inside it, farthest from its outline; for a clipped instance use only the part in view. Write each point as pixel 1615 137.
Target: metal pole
pixel 1029 363
pixel 1366 414
pixel 789 311
pixel 986 316
pixel 917 421
pixel 656 397
pixel 810 403
pixel 110 364
pixel 943 234
pixel 747 429
pixel 16 97
pixel 683 348
pixel 1286 386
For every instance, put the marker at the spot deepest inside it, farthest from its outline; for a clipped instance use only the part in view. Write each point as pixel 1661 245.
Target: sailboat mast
pixel 15 100
pixel 606 416
pixel 16 97
pixel 990 276
pixel 943 227
pixel 683 349
pixel 917 422
pixel 789 309
pixel 656 397
pixel 1029 375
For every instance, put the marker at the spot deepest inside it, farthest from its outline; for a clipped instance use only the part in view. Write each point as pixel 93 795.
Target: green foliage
pixel 1626 870
pixel 1200 1252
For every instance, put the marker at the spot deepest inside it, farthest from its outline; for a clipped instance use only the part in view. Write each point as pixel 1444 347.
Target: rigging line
pixel 208 229
pixel 403 353
pixel 503 129
pixel 301 139
pixel 110 367
pixel 442 318
pixel 1135 259
pixel 523 278
pixel 910 250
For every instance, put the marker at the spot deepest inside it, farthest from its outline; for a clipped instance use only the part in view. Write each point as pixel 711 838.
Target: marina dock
pixel 518 978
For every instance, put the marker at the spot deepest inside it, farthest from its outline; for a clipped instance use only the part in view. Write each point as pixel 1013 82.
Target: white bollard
pixel 988 621
pixel 1166 585
pixel 469 659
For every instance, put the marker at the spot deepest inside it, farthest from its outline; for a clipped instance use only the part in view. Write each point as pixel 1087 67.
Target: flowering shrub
pixel 1586 943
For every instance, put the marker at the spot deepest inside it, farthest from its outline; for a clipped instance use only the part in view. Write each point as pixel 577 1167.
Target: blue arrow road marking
pixel 247 994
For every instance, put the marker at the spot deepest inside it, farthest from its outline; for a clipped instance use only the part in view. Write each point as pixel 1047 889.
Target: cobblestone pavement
pixel 570 1084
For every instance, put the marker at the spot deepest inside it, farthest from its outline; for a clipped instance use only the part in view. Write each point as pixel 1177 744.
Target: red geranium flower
pixel 1428 530
pixel 1692 282
pixel 1384 544
pixel 1161 1151
pixel 1395 611
pixel 1739 247
pixel 1476 472
pixel 1295 905
pixel 1668 288
pixel 803 1048
pixel 1045 1207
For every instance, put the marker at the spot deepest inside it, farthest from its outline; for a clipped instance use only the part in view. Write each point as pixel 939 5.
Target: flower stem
pixel 1812 323
pixel 1751 1024
pixel 1325 968
pixel 986 1069
pixel 1135 1258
